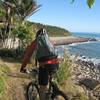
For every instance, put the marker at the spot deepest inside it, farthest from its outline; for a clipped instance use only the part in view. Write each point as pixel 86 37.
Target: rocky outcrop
pixel 87 69
pixel 87 75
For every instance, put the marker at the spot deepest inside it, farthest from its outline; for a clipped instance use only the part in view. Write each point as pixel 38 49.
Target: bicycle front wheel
pixel 60 96
pixel 32 91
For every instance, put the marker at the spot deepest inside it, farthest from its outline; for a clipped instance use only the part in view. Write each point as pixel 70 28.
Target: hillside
pixel 53 30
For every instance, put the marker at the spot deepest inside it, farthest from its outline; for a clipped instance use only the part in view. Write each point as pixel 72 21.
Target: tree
pixel 16 9
pixel 21 8
pixel 26 8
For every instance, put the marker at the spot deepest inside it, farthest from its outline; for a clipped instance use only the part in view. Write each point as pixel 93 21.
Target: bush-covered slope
pixel 53 30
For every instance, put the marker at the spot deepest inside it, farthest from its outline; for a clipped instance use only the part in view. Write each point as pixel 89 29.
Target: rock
pixel 87 76
pixel 90 84
pixel 92 39
pixel 96 91
pixel 99 66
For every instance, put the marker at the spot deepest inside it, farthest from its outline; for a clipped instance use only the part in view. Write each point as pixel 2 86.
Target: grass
pixel 64 71
pixel 3 77
pixel 1 85
pixel 63 78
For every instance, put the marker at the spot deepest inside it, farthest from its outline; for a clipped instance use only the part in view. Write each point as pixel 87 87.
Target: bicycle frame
pixel 53 89
pixel 34 73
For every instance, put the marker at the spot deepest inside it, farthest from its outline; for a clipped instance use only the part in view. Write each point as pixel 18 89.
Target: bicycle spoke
pixel 33 93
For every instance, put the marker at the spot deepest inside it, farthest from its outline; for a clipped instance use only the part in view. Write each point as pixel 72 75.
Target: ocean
pixel 88 50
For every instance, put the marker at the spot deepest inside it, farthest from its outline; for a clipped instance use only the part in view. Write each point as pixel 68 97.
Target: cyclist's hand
pixel 23 70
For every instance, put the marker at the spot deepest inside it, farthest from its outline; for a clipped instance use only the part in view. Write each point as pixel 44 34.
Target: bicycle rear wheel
pixel 32 91
pixel 60 96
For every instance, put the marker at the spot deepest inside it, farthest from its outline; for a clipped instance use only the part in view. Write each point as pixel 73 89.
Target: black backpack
pixel 45 49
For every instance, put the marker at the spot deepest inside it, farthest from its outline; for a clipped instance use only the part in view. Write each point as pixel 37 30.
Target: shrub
pixel 24 33
pixel 7 52
pixel 64 71
pixel 11 53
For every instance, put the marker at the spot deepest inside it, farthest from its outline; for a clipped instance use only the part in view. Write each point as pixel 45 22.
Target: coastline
pixel 69 40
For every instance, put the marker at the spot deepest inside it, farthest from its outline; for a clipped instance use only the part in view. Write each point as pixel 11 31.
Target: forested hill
pixel 53 30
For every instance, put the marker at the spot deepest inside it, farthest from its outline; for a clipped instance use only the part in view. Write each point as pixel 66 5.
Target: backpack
pixel 45 49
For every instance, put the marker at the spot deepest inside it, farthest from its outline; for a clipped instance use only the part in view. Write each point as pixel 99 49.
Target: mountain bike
pixel 53 93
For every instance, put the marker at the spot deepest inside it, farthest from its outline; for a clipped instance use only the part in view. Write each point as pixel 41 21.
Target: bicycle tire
pixel 62 95
pixel 32 92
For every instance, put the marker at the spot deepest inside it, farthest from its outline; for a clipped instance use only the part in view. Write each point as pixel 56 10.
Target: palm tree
pixel 21 8
pixel 8 9
pixel 17 8
pixel 26 8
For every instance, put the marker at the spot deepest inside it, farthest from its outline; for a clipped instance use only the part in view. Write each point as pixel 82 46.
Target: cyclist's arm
pixel 28 53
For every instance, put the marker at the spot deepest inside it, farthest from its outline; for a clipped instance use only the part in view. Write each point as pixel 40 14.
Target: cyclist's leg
pixel 44 73
pixel 52 68
pixel 43 81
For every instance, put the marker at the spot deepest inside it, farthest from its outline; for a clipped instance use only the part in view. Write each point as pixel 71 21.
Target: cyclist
pixel 47 64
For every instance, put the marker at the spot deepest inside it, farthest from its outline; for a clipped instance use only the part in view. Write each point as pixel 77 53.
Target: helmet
pixel 40 32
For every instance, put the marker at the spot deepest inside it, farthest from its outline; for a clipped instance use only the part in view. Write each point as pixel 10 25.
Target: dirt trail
pixel 15 85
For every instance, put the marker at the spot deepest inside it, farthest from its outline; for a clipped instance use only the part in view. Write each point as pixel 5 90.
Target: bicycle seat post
pixel 50 78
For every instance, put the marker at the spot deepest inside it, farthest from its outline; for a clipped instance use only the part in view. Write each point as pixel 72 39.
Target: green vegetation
pixel 3 77
pixel 64 71
pixel 13 9
pixel 63 77
pixel 13 14
pixel 24 33
pixel 52 30
pixel 8 53
pixel 89 2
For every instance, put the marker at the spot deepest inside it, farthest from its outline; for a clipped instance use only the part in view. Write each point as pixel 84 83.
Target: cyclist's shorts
pixel 45 71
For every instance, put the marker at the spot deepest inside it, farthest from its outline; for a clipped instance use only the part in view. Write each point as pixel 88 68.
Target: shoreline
pixel 72 40
pixel 95 61
pixel 69 40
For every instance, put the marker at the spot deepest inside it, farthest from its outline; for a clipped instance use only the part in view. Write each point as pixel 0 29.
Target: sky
pixel 76 17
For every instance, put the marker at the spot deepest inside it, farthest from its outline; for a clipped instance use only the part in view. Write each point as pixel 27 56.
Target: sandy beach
pixel 68 40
